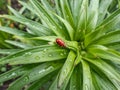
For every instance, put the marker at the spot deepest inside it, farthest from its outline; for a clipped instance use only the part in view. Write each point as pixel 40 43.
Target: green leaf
pixel 36 27
pixel 15 72
pixel 35 74
pixel 101 82
pixel 47 5
pixel 108 70
pixel 35 55
pixel 92 16
pixel 75 9
pixel 87 77
pixel 37 84
pixel 105 53
pixel 103 7
pixel 66 69
pixel 69 28
pixel 18 44
pixel 16 13
pixel 46 16
pixel 54 85
pixel 75 80
pixel 104 27
pixel 57 7
pixel 109 38
pixel 65 73
pixel 15 32
pixel 46 38
pixel 66 12
pixel 8 51
pixel 30 7
pixel 81 26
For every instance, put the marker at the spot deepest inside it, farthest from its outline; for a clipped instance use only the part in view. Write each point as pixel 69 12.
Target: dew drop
pixel 67 16
pixel 28 54
pixel 34 26
pixel 27 23
pixel 61 54
pixel 79 31
pixel 60 27
pixel 74 87
pixel 37 57
pixel 65 53
pixel 86 87
pixel 49 68
pixel 65 71
pixel 50 55
pixel 33 74
pixel 70 60
pixel 50 43
pixel 8 52
pixel 45 50
pixel 21 34
pixel 26 78
pixel 41 71
pixel 12 74
pixel 54 27
pixel 14 56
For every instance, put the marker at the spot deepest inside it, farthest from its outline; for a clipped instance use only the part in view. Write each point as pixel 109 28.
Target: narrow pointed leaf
pixel 69 28
pixel 47 5
pixel 87 78
pixel 15 72
pixel 55 86
pixel 36 27
pixel 75 6
pixel 66 69
pixel 105 54
pixel 104 4
pixel 111 73
pixel 18 44
pixel 66 11
pixel 81 27
pixel 49 20
pixel 35 74
pixel 75 80
pixel 36 55
pixel 104 27
pixel 101 82
pixel 109 38
pixel 8 51
pixel 92 16
pixel 15 32
pixel 38 84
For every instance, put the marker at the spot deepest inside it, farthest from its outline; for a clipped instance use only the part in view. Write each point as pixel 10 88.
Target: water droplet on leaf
pixel 50 55
pixel 61 54
pixel 28 54
pixel 37 57
pixel 41 71
pixel 86 87
pixel 26 78
pixel 65 71
pixel 45 50
pixel 49 68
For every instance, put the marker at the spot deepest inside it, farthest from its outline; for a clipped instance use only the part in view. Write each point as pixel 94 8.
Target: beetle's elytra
pixel 60 42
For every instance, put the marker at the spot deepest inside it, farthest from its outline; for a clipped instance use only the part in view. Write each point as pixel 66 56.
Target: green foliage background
pixel 90 59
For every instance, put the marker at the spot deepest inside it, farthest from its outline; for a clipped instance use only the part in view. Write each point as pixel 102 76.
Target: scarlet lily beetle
pixel 60 42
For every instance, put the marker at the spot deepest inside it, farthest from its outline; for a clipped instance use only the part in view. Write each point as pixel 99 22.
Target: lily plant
pixel 75 45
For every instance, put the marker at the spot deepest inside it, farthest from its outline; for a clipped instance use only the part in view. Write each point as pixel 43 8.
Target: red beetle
pixel 60 42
